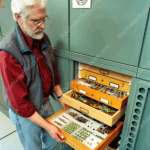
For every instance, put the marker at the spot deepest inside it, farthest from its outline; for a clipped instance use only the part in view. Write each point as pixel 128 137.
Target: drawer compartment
pixel 105 72
pixel 82 132
pixel 83 86
pixel 90 111
pixel 105 80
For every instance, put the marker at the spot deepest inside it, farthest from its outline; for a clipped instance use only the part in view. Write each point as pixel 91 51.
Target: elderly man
pixel 29 76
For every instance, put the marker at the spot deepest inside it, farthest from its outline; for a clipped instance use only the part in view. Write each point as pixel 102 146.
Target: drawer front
pixel 105 72
pixel 70 140
pixel 90 111
pixel 111 82
pixel 99 96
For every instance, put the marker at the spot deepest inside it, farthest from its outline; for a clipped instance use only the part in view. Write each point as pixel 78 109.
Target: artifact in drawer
pixel 82 132
pixel 97 105
pixel 108 81
pixel 90 107
pixel 110 96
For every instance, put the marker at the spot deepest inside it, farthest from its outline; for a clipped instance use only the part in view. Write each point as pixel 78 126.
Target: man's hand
pixel 55 133
pixel 52 130
pixel 58 91
pixel 63 104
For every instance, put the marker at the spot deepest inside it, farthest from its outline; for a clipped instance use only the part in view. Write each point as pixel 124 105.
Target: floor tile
pixel 6 126
pixel 11 142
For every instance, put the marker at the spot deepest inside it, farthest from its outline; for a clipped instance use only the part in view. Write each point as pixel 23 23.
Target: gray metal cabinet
pixel 6 18
pixel 119 24
pixel 144 128
pixel 145 54
pixel 136 131
pixel 57 26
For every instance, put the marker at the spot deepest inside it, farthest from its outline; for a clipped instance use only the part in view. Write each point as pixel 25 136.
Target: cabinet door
pixel 110 29
pixel 57 26
pixel 145 54
pixel 6 18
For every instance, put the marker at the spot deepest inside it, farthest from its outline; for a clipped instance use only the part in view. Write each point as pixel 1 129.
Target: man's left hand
pixel 63 104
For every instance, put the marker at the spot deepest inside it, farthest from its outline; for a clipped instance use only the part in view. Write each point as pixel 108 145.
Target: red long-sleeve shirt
pixel 10 70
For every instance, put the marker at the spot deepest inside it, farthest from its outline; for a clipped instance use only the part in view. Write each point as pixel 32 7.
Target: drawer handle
pixel 84 110
pixel 104 72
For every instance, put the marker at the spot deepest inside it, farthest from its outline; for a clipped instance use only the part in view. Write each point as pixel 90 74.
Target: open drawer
pixel 104 94
pixel 90 111
pixel 82 132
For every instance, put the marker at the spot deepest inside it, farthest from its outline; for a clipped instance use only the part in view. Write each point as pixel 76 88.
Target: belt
pixel 45 98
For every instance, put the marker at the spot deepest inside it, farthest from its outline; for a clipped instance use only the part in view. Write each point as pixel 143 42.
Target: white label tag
pixel 114 85
pixel 81 3
pixel 83 92
pixel 104 100
pixel 92 78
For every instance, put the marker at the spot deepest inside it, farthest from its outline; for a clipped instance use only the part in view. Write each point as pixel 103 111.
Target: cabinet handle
pixel 84 110
pixel 105 72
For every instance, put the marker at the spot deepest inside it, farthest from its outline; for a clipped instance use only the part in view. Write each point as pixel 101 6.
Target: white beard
pixel 32 34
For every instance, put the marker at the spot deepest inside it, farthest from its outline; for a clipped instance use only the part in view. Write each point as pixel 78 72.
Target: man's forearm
pixel 52 130
pixel 37 119
pixel 58 91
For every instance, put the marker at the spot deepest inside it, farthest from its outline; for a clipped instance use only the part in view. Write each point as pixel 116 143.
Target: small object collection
pixel 66 118
pixel 72 114
pixel 71 128
pixel 83 128
pixel 95 104
pixel 62 120
pixel 81 119
pixel 58 123
pixel 102 88
pixel 98 136
pixel 104 130
pixel 82 134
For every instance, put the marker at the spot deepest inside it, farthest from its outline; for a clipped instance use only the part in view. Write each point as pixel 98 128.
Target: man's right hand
pixel 55 133
pixel 52 130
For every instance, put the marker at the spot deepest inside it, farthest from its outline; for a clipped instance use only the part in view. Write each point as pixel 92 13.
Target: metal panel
pixel 57 26
pixel 138 99
pixel 143 77
pixel 143 139
pixel 61 53
pixel 6 18
pixel 117 67
pixel 145 54
pixel 143 74
pixel 119 24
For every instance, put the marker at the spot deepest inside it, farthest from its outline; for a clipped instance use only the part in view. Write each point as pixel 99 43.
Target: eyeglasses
pixel 39 22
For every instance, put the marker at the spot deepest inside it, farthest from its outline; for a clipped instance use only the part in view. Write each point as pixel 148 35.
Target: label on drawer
pixel 104 100
pixel 114 85
pixel 83 92
pixel 92 78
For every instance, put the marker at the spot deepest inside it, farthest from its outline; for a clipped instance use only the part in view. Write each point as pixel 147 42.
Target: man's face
pixel 33 31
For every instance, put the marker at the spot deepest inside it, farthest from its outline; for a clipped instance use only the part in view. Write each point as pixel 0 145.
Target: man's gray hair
pixel 20 6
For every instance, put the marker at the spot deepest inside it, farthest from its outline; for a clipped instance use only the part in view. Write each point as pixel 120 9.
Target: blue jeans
pixel 32 136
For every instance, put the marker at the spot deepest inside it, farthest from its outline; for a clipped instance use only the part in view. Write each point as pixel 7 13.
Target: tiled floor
pixel 9 139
